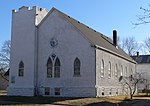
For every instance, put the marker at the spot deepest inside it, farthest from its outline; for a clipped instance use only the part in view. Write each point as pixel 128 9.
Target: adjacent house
pixel 53 54
pixel 143 67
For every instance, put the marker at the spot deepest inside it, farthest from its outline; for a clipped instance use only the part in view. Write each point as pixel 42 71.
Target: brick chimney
pixel 137 54
pixel 115 38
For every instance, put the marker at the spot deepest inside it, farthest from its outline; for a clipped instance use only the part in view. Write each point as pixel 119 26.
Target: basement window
pixel 57 91
pixel 47 91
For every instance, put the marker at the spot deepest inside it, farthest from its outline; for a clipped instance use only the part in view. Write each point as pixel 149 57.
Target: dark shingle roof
pixel 141 59
pixel 95 38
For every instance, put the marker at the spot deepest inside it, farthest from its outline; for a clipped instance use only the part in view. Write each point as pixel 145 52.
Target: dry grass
pixel 95 101
pixel 101 101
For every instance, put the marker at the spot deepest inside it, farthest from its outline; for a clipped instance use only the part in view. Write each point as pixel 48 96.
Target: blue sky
pixel 101 15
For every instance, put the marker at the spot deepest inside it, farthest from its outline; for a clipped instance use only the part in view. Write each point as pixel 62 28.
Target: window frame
pixel 102 68
pixel 126 71
pixel 77 68
pixel 57 91
pixel 109 69
pixel 47 91
pixel 21 69
pixel 121 72
pixel 49 68
pixel 116 71
pixel 57 68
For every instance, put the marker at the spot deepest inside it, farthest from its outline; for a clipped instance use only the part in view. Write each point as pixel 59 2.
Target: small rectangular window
pixel 12 79
pixel 47 91
pixel 57 91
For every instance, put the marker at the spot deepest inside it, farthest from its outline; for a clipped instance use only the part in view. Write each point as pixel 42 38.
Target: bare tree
pixel 143 86
pixel 130 45
pixel 131 82
pixel 5 55
pixel 147 44
pixel 144 18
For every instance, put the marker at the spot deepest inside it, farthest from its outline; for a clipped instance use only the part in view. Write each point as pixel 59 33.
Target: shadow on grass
pixel 102 104
pixel 14 100
pixel 122 103
pixel 19 100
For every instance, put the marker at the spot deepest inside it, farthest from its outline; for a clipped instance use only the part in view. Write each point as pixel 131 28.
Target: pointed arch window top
pixel 49 62
pixel 21 64
pixel 77 62
pixel 57 68
pixel 57 62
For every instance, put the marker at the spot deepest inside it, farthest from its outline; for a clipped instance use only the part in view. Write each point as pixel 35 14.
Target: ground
pixel 51 101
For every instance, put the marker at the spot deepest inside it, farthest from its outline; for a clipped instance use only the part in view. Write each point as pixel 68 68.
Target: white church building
pixel 53 54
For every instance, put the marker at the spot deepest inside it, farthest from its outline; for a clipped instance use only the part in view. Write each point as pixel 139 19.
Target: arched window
pixel 109 69
pixel 125 72
pixel 121 71
pixel 131 71
pixel 77 65
pixel 116 71
pixel 57 68
pixel 131 74
pixel 21 69
pixel 49 68
pixel 102 68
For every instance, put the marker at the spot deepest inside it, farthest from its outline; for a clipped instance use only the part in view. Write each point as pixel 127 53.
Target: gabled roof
pixel 142 59
pixel 96 39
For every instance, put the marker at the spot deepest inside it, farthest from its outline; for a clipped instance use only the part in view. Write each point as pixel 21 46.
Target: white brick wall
pixel 20 91
pixel 113 82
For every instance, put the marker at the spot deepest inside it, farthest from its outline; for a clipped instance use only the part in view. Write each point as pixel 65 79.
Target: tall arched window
pixel 131 71
pixel 57 68
pixel 131 74
pixel 121 71
pixel 77 66
pixel 109 69
pixel 102 68
pixel 21 69
pixel 126 71
pixel 49 67
pixel 116 71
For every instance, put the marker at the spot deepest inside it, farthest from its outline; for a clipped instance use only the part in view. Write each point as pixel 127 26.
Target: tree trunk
pixel 131 96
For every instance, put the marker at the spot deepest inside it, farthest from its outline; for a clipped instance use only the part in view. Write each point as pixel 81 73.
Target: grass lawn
pixel 102 101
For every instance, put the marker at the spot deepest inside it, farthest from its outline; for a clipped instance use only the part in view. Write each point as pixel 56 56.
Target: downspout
pixel 93 46
pixel 95 74
pixel 36 93
pixel 36 62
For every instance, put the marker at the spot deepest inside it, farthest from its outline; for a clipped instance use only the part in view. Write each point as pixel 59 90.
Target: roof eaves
pixel 99 47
